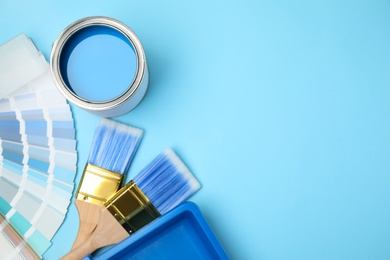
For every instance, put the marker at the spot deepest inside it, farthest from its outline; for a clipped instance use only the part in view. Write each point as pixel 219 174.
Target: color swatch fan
pixel 37 152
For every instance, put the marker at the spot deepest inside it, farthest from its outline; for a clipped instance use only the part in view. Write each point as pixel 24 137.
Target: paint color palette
pixel 37 161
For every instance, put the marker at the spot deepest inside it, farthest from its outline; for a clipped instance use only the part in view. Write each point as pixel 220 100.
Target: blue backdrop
pixel 280 108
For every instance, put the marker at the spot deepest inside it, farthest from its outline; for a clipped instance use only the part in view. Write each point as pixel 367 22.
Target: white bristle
pixel 167 181
pixel 114 145
pixel 181 167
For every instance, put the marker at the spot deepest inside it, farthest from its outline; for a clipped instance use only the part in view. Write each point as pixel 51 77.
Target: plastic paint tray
pixel 182 233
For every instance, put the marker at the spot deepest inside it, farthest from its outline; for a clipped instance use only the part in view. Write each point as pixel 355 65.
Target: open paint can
pixel 99 64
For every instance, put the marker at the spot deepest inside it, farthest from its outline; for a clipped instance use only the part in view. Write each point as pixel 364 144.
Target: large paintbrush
pixel 113 148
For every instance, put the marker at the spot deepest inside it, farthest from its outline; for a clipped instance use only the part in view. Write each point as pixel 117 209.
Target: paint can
pixel 99 64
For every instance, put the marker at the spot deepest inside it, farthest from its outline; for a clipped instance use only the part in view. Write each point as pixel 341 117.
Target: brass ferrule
pixel 97 184
pixel 131 208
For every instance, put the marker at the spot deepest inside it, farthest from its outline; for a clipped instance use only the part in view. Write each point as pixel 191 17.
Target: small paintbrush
pixel 113 147
pixel 158 188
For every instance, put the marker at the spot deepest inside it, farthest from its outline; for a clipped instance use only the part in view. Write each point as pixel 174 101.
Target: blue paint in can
pixel 98 63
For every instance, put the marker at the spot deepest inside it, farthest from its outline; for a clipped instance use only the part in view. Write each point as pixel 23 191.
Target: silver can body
pixel 120 104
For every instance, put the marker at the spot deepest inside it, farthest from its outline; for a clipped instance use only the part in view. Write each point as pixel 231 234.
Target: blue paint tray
pixel 182 233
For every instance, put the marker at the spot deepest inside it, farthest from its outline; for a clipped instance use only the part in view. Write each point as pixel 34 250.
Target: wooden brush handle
pixel 89 217
pixel 108 231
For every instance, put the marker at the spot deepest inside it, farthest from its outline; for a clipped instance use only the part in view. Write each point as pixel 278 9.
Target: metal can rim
pixel 81 24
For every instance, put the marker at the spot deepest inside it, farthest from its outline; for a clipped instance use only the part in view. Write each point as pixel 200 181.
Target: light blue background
pixel 280 108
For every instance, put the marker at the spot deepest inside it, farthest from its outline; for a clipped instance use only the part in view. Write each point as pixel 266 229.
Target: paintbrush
pixel 158 188
pixel 113 147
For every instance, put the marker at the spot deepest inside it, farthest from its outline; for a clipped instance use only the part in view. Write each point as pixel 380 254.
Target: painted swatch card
pixel 37 158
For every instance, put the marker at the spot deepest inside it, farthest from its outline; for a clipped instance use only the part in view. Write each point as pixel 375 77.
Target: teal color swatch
pixel 20 223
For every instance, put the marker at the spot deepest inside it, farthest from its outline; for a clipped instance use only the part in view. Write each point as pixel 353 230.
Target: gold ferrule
pixel 131 208
pixel 97 184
